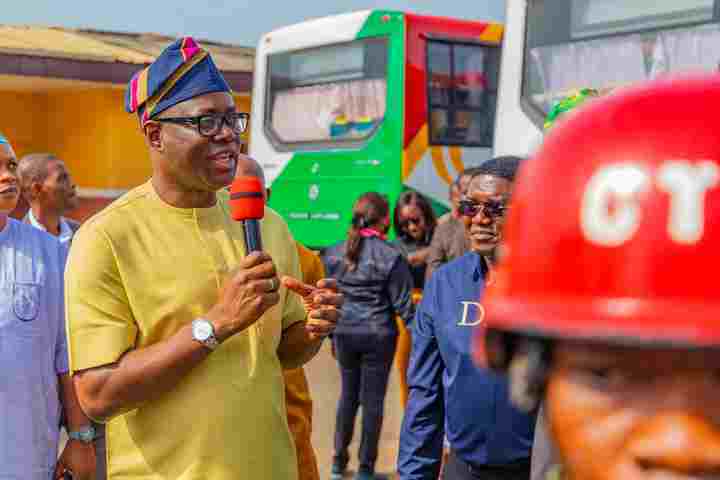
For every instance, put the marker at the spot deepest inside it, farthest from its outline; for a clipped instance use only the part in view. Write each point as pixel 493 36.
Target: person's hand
pixel 251 290
pixel 79 458
pixel 419 257
pixel 322 303
pixel 415 259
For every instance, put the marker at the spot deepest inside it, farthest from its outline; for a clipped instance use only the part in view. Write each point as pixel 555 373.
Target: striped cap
pixel 182 71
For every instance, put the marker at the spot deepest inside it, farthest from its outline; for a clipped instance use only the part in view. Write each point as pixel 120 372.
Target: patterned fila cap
pixel 183 71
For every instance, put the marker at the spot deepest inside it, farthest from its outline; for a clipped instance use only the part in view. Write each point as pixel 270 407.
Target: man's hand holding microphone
pixel 250 291
pixel 252 288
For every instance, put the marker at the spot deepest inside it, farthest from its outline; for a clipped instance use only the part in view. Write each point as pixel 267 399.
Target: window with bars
pixel 462 92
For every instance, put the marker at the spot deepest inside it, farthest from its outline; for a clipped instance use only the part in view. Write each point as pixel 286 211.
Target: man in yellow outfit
pixel 177 336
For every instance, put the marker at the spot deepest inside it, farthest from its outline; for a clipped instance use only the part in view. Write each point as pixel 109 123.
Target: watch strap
pixel 211 342
pixel 86 434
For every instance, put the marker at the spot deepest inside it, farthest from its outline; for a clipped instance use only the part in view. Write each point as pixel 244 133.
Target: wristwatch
pixel 86 434
pixel 203 332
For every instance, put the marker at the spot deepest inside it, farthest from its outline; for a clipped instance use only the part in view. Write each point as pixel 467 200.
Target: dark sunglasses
pixel 211 124
pixel 492 208
pixel 407 221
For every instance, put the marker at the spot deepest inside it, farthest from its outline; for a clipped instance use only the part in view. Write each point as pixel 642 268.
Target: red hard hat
pixel 614 228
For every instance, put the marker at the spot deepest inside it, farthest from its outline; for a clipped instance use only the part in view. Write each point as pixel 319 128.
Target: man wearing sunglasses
pixel 488 437
pixel 177 336
pixel 449 241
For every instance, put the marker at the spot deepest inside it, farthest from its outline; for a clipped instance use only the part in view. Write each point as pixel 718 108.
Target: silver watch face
pixel 202 330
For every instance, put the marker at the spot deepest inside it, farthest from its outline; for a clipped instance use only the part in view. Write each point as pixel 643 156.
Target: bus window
pixel 327 96
pixel 605 44
pixel 462 92
pixel 594 17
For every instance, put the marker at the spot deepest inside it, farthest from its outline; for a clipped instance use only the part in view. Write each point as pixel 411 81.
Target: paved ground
pixel 324 379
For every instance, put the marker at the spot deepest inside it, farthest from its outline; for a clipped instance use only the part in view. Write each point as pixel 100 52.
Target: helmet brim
pixel 623 322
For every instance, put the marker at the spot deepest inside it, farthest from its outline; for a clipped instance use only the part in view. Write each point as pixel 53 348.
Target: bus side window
pixel 316 100
pixel 462 93
pixel 687 50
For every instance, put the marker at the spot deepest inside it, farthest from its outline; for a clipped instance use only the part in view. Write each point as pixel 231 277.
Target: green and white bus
pixel 370 101
pixel 552 48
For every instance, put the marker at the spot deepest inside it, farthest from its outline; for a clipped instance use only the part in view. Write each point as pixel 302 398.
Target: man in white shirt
pixel 35 388
pixel 49 190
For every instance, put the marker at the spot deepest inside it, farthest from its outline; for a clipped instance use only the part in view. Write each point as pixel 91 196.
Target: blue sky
pixel 235 21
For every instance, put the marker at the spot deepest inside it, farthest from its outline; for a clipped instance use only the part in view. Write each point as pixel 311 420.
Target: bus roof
pixel 448 21
pixel 319 24
pixel 351 20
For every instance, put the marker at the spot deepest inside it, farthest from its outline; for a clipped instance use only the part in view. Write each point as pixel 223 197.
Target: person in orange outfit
pixel 297 391
pixel 402 353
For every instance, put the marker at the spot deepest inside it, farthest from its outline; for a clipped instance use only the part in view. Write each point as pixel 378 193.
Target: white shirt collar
pixel 66 232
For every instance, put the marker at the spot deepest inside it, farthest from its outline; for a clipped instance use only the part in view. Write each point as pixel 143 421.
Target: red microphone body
pixel 247 205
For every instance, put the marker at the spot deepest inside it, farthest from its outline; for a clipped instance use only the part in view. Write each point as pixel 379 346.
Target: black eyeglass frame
pixel 493 209
pixel 224 118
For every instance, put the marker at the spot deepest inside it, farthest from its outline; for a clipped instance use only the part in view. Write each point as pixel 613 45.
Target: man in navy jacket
pixel 449 396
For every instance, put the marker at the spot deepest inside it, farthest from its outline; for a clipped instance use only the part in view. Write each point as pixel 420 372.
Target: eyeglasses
pixel 211 124
pixel 492 208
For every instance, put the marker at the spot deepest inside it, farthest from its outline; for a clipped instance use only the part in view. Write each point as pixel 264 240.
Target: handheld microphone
pixel 247 205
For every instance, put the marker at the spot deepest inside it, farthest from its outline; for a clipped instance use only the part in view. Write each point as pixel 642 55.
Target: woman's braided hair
pixel 371 208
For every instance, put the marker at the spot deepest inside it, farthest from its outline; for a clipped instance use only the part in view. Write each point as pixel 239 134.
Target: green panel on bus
pixel 316 190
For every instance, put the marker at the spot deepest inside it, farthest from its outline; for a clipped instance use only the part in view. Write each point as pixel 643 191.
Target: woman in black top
pixel 414 223
pixel 375 280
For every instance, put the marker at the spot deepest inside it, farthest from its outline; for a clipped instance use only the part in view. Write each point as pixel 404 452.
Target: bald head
pixel 33 168
pixel 46 184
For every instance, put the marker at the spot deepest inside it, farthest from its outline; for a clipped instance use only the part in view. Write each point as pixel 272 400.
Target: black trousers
pixel 457 469
pixel 365 363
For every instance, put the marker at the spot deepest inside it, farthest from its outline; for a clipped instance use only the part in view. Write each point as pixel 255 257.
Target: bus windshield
pixel 604 44
pixel 339 91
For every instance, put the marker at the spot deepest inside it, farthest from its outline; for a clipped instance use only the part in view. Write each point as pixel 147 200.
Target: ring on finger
pixel 274 284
